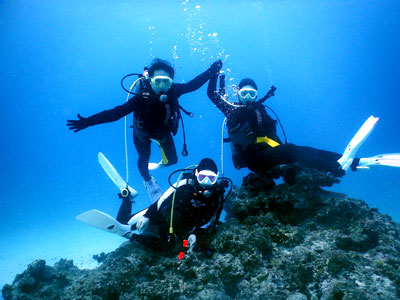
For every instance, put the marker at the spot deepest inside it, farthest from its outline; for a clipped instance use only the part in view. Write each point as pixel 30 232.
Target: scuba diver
pixel 255 144
pixel 156 115
pixel 188 208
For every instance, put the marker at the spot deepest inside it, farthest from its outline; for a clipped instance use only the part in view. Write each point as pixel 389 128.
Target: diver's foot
pixel 345 164
pixel 155 192
pixel 128 235
pixel 352 163
pixel 337 173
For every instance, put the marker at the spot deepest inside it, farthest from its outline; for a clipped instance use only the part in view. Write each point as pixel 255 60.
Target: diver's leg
pixel 143 147
pixel 168 150
pixel 125 210
pixel 148 241
pixel 142 144
pixel 269 157
pixel 318 159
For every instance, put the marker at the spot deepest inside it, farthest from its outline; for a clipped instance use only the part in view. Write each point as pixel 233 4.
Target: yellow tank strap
pixel 163 156
pixel 264 139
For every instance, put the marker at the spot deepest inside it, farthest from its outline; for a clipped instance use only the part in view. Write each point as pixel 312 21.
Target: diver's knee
pixel 142 224
pixel 289 146
pixel 172 160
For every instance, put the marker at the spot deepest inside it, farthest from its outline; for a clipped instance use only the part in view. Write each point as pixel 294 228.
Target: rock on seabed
pixel 292 241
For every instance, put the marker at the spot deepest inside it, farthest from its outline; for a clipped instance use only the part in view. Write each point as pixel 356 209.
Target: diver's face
pixel 247 94
pixel 206 178
pixel 161 81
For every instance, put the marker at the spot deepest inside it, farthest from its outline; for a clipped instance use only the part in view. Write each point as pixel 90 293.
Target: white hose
pixel 125 134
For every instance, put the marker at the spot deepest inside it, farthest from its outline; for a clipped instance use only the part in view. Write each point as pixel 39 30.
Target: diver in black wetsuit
pixel 156 116
pixel 253 137
pixel 197 203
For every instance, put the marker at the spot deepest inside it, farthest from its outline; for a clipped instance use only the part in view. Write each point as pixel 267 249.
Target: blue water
pixel 334 63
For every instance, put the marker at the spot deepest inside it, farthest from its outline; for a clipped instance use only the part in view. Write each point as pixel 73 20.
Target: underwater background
pixel 334 63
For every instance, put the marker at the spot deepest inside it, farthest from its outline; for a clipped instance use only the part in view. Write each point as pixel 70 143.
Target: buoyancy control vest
pixel 193 207
pixel 250 124
pixel 157 112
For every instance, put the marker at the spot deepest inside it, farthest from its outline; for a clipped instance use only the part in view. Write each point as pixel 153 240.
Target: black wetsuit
pixel 192 210
pixel 152 119
pixel 247 123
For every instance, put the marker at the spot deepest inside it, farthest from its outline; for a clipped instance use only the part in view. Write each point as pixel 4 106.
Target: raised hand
pixel 216 67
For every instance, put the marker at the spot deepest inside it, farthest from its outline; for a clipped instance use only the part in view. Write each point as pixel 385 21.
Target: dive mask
pixel 161 84
pixel 247 95
pixel 207 178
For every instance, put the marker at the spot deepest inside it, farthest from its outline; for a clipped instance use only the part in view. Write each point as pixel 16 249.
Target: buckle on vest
pixel 264 139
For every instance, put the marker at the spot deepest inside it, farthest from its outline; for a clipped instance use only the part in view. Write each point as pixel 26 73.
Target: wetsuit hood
pixel 207 164
pixel 247 81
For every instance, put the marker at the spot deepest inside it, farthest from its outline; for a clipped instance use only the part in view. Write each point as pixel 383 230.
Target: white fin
pixel 155 166
pixel 356 142
pixel 154 190
pixel 390 160
pixel 104 222
pixel 114 175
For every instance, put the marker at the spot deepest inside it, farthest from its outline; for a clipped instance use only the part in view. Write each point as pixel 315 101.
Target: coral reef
pixel 292 241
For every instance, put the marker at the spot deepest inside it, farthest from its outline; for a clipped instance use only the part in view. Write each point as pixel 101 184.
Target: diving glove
pixel 77 125
pixel 191 242
pixel 215 67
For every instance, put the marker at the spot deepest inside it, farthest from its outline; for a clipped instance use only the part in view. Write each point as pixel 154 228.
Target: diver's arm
pixel 216 98
pixel 113 114
pixel 220 206
pixel 106 116
pixel 198 81
pixel 192 85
